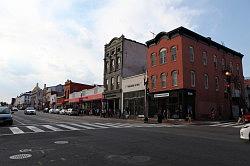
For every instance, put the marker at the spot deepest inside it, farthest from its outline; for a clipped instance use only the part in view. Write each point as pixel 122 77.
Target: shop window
pixel 174 78
pixel 118 82
pixel 163 56
pixel 173 53
pixel 205 81
pixel 204 58
pixel 163 80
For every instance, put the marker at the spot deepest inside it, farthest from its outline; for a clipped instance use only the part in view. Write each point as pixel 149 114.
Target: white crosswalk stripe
pixel 16 130
pixel 226 124
pixel 52 128
pixel 67 127
pixel 42 128
pixel 35 129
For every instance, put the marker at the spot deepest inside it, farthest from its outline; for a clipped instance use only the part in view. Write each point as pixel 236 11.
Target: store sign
pixel 161 95
pixel 190 94
pixel 135 83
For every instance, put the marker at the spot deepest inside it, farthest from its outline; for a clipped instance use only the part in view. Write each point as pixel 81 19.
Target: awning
pixel 98 96
pixel 74 100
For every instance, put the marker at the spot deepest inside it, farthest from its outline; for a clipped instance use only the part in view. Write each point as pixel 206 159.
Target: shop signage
pixel 161 95
pixel 190 94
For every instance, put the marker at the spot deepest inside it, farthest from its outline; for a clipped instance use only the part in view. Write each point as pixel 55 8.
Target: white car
pixel 30 111
pixel 245 132
pixel 51 111
pixel 62 112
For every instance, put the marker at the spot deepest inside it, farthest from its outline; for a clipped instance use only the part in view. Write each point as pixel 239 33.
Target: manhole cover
pixel 61 142
pixel 20 156
pixel 25 150
pixel 128 158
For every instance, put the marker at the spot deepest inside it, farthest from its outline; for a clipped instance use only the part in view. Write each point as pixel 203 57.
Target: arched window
pixel 118 61
pixel 205 81
pixel 204 58
pixel 112 65
pixel 217 83
pixel 192 74
pixel 163 80
pixel 153 81
pixel 173 53
pixel 215 61
pixel 163 56
pixel 191 53
pixel 112 83
pixel 153 59
pixel 174 78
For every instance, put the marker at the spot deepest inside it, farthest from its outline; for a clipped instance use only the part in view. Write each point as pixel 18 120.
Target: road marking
pixel 67 127
pixel 109 125
pixel 52 128
pixel 16 130
pixel 221 124
pixel 35 129
pixel 94 125
pixel 78 125
pixel 18 121
pixel 239 126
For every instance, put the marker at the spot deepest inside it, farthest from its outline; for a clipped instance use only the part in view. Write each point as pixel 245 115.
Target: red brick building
pixel 189 71
pixel 71 87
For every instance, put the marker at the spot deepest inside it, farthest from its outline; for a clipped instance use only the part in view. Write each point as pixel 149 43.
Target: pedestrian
pixel 189 113
pixel 159 116
pixel 168 114
pixel 241 116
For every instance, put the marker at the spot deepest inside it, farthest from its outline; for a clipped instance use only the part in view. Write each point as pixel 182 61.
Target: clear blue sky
pixel 51 41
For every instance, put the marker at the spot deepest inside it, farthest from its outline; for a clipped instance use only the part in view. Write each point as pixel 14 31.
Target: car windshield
pixel 30 108
pixel 4 110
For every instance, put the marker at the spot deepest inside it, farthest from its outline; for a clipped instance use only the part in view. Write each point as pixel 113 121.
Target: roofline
pixel 184 31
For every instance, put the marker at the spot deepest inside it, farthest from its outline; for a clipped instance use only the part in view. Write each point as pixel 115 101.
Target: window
pixel 192 78
pixel 191 53
pixel 223 64
pixel 112 52
pixel 216 83
pixel 238 69
pixel 153 59
pixel 118 61
pixel 231 66
pixel 215 61
pixel 173 53
pixel 205 81
pixel 163 54
pixel 118 82
pixel 118 49
pixel 107 84
pixel 107 66
pixel 112 64
pixel 174 78
pixel 112 83
pixel 204 58
pixel 163 80
pixel 107 54
pixel 153 82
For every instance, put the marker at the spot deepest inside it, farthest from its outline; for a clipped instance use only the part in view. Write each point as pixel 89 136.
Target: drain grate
pixel 20 156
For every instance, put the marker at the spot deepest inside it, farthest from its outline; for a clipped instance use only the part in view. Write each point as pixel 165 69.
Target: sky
pixel 50 41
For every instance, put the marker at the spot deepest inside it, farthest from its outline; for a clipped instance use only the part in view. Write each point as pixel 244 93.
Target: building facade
pixel 133 95
pixel 187 71
pixel 247 92
pixel 36 97
pixel 123 58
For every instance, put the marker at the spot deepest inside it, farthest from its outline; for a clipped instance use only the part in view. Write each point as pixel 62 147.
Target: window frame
pixel 206 81
pixel 204 58
pixel 153 81
pixel 174 79
pixel 192 78
pixel 191 53
pixel 163 59
pixel 163 82
pixel 153 61
pixel 173 50
pixel 217 86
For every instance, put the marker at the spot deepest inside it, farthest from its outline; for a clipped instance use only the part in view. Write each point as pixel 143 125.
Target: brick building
pixel 247 92
pixel 70 87
pixel 190 71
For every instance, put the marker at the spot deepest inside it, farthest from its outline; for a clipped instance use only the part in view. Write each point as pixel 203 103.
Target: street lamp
pixel 146 98
pixel 228 90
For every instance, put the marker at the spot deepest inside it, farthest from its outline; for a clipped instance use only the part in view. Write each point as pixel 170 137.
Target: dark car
pixel 5 116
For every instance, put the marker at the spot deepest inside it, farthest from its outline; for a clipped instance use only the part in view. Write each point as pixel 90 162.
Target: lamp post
pixel 146 98
pixel 229 92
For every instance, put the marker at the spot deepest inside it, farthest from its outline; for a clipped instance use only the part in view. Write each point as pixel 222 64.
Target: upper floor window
pixel 191 53
pixel 204 58
pixel 153 81
pixel 215 61
pixel 107 54
pixel 118 61
pixel 163 80
pixel 173 53
pixel 223 64
pixel 231 66
pixel 118 82
pixel 106 83
pixel 216 83
pixel 153 59
pixel 112 64
pixel 112 83
pixel 174 78
pixel 113 52
pixel 238 69
pixel 163 56
pixel 107 66
pixel 205 81
pixel 118 49
pixel 192 73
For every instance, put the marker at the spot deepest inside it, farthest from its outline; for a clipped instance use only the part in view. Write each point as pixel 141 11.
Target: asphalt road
pixel 129 144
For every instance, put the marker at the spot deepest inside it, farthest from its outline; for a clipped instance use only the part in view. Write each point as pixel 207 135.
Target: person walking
pixel 159 115
pixel 189 113
pixel 241 116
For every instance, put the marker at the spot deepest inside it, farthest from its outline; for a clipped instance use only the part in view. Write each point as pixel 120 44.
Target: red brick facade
pixel 206 99
pixel 71 87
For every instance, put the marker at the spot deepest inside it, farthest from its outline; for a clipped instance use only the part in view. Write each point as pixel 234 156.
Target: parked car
pixel 72 111
pixel 56 111
pixel 30 111
pixel 14 109
pixel 62 111
pixel 46 110
pixel 245 132
pixel 5 116
pixel 51 111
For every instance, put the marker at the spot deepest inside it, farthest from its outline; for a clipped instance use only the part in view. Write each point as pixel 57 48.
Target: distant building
pixel 24 100
pixel 123 58
pixel 36 97
pixel 50 95
pixel 190 71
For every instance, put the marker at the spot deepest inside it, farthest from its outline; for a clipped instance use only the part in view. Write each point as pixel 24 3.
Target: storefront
pixel 176 102
pixel 112 102
pixel 133 92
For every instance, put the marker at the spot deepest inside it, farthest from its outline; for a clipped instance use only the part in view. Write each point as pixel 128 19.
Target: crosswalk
pixel 225 124
pixel 41 128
